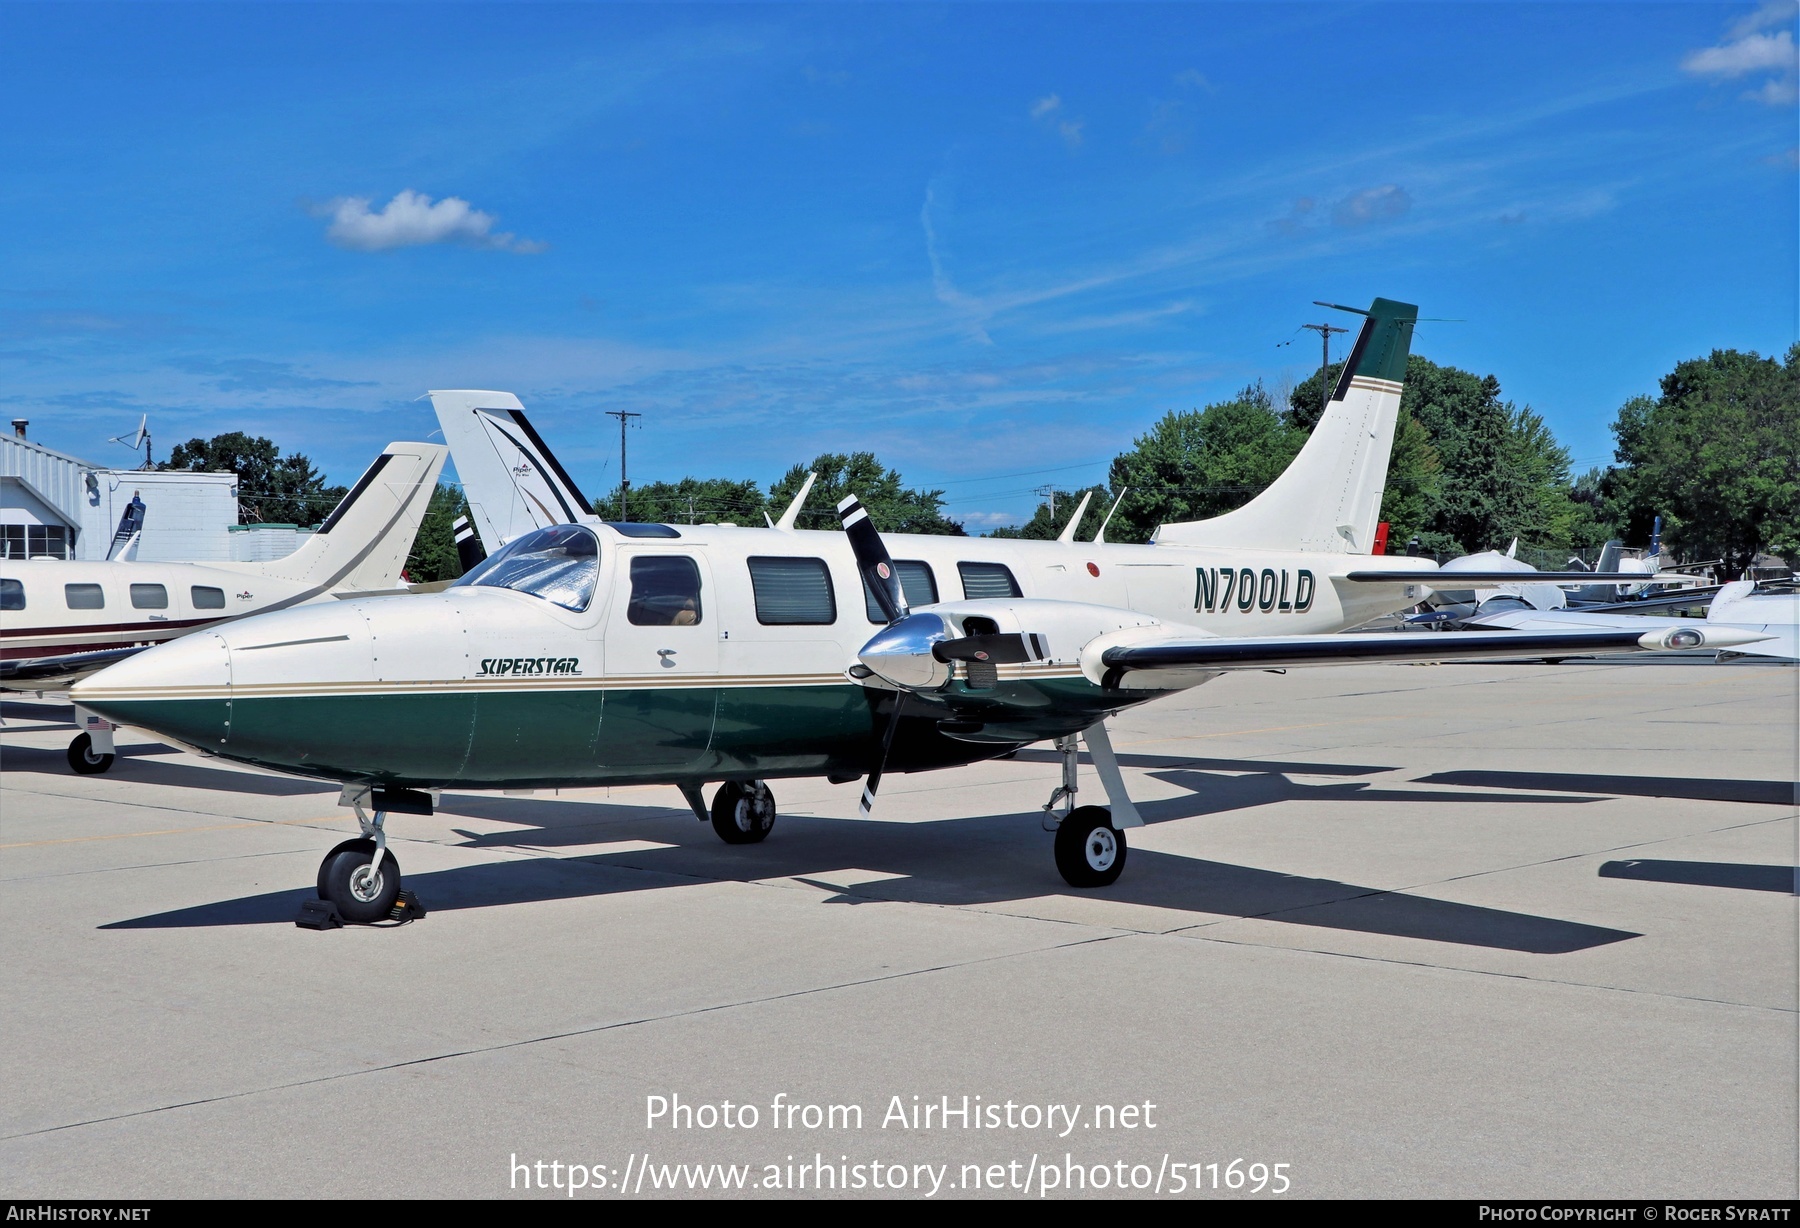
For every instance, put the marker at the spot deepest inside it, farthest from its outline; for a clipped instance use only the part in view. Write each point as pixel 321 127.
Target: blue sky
pixel 991 243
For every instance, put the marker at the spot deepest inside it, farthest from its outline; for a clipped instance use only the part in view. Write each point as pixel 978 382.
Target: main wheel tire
pixel 344 880
pixel 743 813
pixel 83 759
pixel 1090 851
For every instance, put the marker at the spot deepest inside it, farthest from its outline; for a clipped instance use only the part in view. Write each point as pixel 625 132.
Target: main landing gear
pixel 86 758
pixel 1090 851
pixel 743 812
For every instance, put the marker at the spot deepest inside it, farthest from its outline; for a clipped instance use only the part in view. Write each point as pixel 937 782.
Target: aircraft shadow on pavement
pixel 985 860
pixel 1215 765
pixel 1763 792
pixel 1783 879
pixel 141 763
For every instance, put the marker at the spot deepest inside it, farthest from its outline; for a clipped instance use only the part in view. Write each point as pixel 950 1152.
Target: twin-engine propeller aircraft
pixel 61 621
pixel 592 654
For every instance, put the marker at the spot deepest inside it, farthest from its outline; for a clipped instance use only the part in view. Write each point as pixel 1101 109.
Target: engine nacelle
pixel 919 652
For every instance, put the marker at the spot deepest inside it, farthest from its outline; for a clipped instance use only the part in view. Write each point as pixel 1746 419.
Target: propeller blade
pixel 872 559
pixel 887 740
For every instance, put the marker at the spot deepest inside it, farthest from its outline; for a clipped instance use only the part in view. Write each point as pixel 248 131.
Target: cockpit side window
pixel 665 591
pixel 561 564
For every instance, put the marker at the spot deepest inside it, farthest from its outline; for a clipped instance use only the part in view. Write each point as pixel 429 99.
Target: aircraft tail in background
pixel 1329 498
pixel 362 546
pixel 511 479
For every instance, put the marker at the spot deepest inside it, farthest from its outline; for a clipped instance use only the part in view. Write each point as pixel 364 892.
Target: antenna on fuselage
pixel 1068 533
pixel 786 523
pixel 1100 534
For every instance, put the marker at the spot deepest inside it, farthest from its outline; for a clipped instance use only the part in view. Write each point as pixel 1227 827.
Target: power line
pixel 624 417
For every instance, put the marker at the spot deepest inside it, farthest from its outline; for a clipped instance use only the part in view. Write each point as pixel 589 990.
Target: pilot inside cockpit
pixel 665 591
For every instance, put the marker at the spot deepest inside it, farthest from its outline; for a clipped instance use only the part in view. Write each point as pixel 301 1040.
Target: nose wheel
pixel 361 877
pixel 363 889
pixel 1090 851
pixel 743 813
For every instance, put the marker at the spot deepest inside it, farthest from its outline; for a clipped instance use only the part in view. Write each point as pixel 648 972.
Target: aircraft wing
pixel 1283 652
pixel 1439 578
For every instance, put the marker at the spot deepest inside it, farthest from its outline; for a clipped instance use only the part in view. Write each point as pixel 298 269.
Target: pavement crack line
pixel 594 1030
pixel 1489 972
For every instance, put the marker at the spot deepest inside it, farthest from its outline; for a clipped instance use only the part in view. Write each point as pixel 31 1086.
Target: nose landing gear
pixel 361 877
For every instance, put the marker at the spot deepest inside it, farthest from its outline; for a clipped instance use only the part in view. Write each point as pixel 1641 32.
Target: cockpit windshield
pixel 560 564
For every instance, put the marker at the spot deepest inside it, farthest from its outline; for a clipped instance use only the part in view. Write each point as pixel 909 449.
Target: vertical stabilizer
pixel 362 546
pixel 512 480
pixel 1329 498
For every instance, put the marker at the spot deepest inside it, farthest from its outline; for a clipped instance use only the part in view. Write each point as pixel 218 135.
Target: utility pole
pixel 1324 331
pixel 624 418
pixel 1049 492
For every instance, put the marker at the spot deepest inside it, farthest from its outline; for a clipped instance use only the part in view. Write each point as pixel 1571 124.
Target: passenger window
pixel 792 592
pixel 149 597
pixel 207 598
pixel 665 592
pixel 987 580
pixel 12 595
pixel 916 582
pixel 84 597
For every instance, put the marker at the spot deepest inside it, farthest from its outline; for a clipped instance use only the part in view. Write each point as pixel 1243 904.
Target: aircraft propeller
pixel 883 579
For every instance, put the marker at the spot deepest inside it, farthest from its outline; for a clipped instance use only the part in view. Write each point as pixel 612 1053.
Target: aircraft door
pixel 662 662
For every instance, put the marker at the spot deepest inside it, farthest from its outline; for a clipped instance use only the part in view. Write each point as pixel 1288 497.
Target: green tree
pixel 1717 455
pixel 1202 463
pixel 433 555
pixel 1044 527
pixel 689 501
pixel 272 488
pixel 893 507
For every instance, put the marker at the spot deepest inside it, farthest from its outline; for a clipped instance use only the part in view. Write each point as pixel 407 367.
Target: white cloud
pixel 1048 109
pixel 1371 205
pixel 1776 92
pixel 1752 53
pixel 412 219
pixel 1747 51
pixel 1770 13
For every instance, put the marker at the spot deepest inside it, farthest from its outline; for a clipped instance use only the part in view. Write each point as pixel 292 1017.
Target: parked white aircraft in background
pixel 590 654
pixel 62 620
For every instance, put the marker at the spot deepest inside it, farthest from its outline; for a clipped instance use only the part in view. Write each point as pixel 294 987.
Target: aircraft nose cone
pixel 181 690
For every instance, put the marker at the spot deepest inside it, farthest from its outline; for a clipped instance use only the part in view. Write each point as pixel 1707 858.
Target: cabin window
pixel 84 597
pixel 12 595
pixel 665 591
pixel 987 580
pixel 792 592
pixel 641 528
pixel 149 597
pixel 205 597
pixel 916 583
pixel 561 564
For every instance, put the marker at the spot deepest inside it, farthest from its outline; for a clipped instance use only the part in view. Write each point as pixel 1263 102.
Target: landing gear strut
pixel 361 877
pixel 86 759
pixel 1090 851
pixel 743 813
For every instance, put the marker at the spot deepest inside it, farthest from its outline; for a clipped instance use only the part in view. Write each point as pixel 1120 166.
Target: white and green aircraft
pixel 587 653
